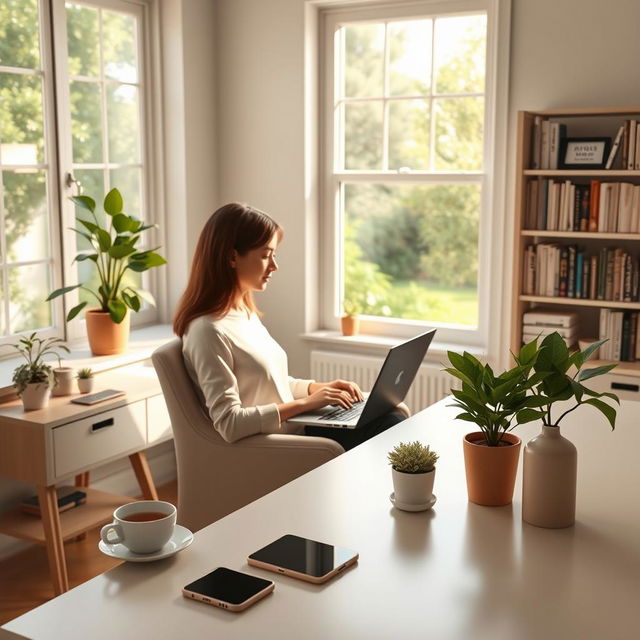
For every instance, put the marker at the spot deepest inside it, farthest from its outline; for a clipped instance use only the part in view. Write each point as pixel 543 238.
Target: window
pixel 92 137
pixel 408 95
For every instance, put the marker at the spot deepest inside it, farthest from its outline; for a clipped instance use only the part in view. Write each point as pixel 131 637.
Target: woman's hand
pixel 328 395
pixel 355 394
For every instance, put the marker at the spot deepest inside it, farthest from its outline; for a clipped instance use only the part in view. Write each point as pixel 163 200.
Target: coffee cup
pixel 143 527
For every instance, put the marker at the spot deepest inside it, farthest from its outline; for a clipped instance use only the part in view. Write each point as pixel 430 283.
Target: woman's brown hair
pixel 213 282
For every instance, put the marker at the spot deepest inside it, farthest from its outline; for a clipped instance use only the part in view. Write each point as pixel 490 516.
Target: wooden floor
pixel 24 577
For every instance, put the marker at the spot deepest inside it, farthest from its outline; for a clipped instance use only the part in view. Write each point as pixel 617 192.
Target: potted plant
pixel 62 380
pixel 550 460
pixel 113 254
pixel 413 472
pixel 495 404
pixel 85 380
pixel 34 379
pixel 350 321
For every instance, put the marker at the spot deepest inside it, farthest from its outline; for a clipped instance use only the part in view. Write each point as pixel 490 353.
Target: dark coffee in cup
pixel 144 516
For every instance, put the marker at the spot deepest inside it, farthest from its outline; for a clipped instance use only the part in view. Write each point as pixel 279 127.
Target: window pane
pixel 127 181
pixel 410 57
pixel 21 119
pixel 363 60
pixel 124 129
pixel 119 46
pixel 83 41
pixel 411 251
pixel 459 133
pixel 92 181
pixel 26 223
pixel 19 37
pixel 28 288
pixel 363 135
pixel 460 51
pixel 86 121
pixel 409 131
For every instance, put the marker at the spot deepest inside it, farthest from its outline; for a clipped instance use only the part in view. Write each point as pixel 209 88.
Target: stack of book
pixel 68 498
pixel 542 322
pixel 620 328
pixel 546 142
pixel 606 207
pixel 555 270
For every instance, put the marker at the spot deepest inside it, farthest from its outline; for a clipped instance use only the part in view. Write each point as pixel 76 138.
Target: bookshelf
pixel 536 225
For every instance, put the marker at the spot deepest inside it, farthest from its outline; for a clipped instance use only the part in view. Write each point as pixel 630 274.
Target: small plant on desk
pixel 413 472
pixel 85 379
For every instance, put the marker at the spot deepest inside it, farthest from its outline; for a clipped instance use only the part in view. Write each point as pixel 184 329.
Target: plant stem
pixel 565 413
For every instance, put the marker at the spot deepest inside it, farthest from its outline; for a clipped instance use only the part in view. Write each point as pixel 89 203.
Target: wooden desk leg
pixel 82 480
pixel 53 535
pixel 143 474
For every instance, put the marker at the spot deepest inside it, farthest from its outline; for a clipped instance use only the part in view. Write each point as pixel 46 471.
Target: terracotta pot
pixel 550 466
pixel 36 396
pixel 105 336
pixel 491 471
pixel 350 325
pixel 63 381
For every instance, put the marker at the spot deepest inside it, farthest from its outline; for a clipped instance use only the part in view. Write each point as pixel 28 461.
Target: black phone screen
pixel 312 558
pixel 228 585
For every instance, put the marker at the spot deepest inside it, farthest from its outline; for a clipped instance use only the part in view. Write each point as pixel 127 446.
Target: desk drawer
pixel 625 387
pixel 158 423
pixel 85 443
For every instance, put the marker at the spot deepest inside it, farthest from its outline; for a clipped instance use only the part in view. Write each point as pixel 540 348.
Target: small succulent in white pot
pixel 413 472
pixel 85 380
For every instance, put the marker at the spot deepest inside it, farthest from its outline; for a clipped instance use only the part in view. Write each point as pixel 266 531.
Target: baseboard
pixel 117 477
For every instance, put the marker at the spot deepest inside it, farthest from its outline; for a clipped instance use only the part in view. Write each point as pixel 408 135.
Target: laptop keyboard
pixel 344 414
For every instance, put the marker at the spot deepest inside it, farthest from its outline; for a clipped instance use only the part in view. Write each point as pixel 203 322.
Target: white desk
pixel 459 571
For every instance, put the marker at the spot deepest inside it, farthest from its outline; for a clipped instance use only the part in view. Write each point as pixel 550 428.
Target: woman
pixel 240 370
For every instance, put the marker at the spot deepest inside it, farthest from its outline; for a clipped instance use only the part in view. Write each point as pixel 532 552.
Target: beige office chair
pixel 215 477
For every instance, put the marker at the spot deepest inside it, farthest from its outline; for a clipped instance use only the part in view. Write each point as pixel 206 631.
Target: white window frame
pixel 488 334
pixel 141 9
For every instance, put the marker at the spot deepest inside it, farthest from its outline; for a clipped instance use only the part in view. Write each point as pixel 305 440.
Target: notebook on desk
pixel 389 390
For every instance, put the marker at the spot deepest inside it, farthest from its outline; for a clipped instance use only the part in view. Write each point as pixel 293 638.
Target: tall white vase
pixel 550 466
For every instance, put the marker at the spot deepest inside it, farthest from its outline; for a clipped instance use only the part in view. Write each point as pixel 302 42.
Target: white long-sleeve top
pixel 242 374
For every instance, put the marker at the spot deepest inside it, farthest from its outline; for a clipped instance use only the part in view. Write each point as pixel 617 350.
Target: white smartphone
pixel 304 559
pixel 228 589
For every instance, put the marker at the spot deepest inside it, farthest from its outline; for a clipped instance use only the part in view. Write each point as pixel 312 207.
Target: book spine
pixel 544 145
pixel 577 203
pixel 536 134
pixel 593 279
pixel 625 336
pixel 625 144
pixel 594 200
pixel 579 267
pixel 614 149
pixel 608 291
pixel 631 158
pixel 571 288
pixel 563 269
pixel 628 275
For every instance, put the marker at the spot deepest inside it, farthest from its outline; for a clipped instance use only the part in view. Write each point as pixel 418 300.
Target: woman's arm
pixel 320 395
pixel 343 385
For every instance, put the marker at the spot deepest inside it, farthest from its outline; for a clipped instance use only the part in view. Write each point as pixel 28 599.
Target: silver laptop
pixel 390 388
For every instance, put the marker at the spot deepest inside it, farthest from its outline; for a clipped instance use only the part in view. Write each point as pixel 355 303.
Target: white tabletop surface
pixel 458 571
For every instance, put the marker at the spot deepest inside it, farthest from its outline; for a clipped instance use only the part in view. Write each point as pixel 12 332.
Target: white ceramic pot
pixel 413 488
pixel 63 381
pixel 36 396
pixel 85 385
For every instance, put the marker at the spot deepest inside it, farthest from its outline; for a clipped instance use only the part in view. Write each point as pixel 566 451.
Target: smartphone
pixel 305 559
pixel 228 589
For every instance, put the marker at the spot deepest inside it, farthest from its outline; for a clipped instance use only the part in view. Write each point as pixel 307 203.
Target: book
pixel 544 145
pixel 68 498
pixel 636 164
pixel 536 133
pixel 631 156
pixel 594 200
pixel 615 148
pixel 543 330
pixel 593 277
pixel 624 207
pixel 557 132
pixel 550 318
pixel 529 337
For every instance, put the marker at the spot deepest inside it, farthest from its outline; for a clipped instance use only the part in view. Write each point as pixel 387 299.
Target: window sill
pixel 370 343
pixel 142 343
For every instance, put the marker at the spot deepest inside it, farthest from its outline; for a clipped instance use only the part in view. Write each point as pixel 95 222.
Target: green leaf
pixel 81 257
pixel 113 202
pixel 85 202
pixel 457 374
pixel 89 225
pixel 104 239
pixel 145 295
pixel 588 352
pixel 117 310
pixel 528 352
pixel 528 415
pixel 463 365
pixel 466 416
pixel 121 223
pixel 554 353
pixel 608 411
pixel 121 251
pixel 61 292
pixel 134 224
pixel 133 302
pixel 76 310
pixel 596 371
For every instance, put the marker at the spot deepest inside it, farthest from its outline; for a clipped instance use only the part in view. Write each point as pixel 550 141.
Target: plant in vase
pixel 113 252
pixel 496 404
pixel 34 379
pixel 413 473
pixel 350 321
pixel 85 380
pixel 550 460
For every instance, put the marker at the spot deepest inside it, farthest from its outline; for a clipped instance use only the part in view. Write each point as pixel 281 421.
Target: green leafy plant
pixel 559 375
pixel 84 373
pixel 114 252
pixel 351 307
pixel 497 404
pixel 33 350
pixel 412 457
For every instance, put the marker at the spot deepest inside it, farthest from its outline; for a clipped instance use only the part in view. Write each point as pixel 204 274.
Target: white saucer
pixel 412 507
pixel 180 540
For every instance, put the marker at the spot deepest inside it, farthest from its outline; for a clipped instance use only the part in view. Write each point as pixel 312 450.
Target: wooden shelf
pixel 97 510
pixel 587 173
pixel 582 302
pixel 579 235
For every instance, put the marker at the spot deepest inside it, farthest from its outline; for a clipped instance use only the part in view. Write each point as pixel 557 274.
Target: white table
pixel 459 571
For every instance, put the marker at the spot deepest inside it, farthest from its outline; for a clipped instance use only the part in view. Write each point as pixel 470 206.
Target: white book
pixel 561 205
pixel 614 204
pixel 571 203
pixel 631 158
pixel 554 144
pixel 550 318
pixel 603 207
pixel 617 335
pixel 635 211
pixel 542 269
pixel 614 148
pixel 565 332
pixel 553 268
pixel 552 208
pixel 624 207
pixel 544 145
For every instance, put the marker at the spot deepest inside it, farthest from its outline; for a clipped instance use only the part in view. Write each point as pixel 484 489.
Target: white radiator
pixel 430 384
